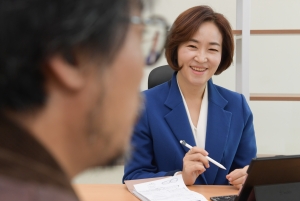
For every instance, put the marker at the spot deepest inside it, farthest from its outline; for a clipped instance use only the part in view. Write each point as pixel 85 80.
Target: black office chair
pixel 160 75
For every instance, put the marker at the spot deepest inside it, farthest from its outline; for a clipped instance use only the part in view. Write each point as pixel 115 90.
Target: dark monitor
pixel 279 172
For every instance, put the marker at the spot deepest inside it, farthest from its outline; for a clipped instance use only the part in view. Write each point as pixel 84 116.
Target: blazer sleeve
pixel 142 163
pixel 247 147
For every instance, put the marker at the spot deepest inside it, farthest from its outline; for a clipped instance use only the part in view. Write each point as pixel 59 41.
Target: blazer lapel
pixel 177 118
pixel 218 124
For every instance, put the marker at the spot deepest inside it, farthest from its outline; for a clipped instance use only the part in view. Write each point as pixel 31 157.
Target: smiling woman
pixel 189 107
pixel 187 25
pixel 200 57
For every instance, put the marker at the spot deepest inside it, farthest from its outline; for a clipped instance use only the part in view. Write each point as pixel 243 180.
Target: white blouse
pixel 199 131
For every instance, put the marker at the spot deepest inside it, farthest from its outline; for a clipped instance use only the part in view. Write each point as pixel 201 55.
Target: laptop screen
pixel 270 170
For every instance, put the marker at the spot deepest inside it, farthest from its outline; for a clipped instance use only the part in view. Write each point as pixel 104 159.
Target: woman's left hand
pixel 238 177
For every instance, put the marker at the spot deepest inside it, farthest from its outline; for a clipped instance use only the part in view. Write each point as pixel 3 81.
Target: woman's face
pixel 201 55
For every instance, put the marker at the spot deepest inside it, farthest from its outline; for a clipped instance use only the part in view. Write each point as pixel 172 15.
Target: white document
pixel 168 189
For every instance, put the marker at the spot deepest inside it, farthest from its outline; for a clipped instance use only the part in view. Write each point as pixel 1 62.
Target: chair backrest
pixel 160 75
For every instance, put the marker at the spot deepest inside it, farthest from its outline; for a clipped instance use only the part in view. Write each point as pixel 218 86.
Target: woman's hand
pixel 238 177
pixel 194 164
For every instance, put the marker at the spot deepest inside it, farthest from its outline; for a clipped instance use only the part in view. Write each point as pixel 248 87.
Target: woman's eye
pixel 192 46
pixel 215 50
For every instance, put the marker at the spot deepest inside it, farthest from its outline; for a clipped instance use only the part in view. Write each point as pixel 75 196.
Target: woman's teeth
pixel 198 69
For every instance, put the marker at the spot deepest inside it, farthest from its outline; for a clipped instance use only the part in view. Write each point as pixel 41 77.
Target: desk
pixel 113 192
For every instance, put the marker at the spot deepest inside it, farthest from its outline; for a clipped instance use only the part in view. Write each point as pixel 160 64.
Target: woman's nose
pixel 201 57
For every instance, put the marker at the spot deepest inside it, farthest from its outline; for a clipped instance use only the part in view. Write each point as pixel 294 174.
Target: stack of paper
pixel 168 189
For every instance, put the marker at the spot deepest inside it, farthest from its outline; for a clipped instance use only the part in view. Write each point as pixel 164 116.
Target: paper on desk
pixel 168 189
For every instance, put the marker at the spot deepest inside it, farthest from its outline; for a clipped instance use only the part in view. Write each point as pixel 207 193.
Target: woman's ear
pixel 67 74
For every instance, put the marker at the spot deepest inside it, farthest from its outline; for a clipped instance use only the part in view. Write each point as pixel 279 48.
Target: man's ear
pixel 67 74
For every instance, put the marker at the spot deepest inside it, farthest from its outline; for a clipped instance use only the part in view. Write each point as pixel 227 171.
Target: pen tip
pixel 182 142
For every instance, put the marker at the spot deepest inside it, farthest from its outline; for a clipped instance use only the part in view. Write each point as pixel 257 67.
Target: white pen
pixel 208 158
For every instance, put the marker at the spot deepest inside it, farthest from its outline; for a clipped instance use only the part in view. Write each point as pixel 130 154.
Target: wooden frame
pixel 272 32
pixel 274 97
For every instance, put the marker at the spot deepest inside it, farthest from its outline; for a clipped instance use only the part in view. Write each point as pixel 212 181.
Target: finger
pixel 198 150
pixel 197 157
pixel 238 186
pixel 191 173
pixel 239 180
pixel 233 173
pixel 193 168
pixel 236 174
pixel 239 172
pixel 189 164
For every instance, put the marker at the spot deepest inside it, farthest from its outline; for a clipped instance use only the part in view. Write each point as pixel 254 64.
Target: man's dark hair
pixel 33 30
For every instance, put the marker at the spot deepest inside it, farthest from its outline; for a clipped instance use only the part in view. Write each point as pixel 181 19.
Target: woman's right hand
pixel 194 164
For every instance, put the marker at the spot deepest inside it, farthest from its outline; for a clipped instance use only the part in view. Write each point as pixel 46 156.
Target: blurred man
pixel 70 74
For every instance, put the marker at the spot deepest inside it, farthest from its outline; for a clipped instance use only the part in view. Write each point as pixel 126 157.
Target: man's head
pixel 70 73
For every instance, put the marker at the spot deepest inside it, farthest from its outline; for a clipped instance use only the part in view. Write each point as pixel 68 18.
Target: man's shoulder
pixel 17 190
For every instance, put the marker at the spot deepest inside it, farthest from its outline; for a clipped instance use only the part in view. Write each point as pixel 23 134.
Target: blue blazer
pixel 230 137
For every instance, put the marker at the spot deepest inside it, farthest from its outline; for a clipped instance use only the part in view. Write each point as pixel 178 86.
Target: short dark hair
pixel 187 24
pixel 33 30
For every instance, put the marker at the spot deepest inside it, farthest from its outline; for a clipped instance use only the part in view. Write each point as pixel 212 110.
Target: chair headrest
pixel 159 75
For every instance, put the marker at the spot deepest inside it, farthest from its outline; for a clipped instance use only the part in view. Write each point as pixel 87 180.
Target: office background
pixel 274 68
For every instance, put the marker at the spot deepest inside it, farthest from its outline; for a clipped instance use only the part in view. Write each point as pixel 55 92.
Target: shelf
pixel 274 97
pixel 264 32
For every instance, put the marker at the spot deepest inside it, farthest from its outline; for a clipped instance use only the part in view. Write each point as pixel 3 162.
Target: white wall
pixel 274 68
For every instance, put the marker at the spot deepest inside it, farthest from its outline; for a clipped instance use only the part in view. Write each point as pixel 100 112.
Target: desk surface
pixel 96 192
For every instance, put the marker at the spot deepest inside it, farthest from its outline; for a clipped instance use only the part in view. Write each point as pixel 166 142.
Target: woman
pixel 190 107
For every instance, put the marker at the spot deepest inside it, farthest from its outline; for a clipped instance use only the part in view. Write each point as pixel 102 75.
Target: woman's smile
pixel 198 69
